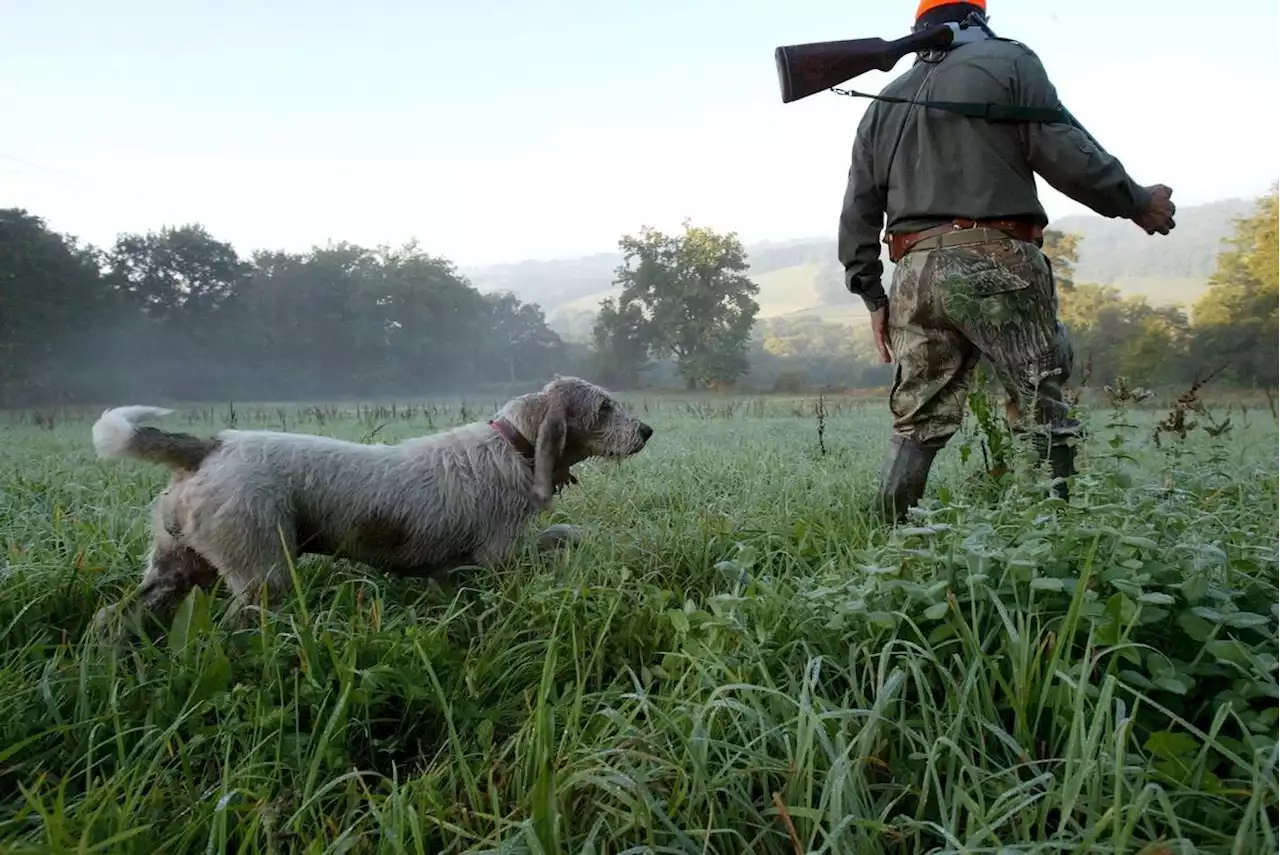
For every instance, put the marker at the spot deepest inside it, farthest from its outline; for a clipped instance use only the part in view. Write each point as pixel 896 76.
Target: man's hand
pixel 1157 217
pixel 880 330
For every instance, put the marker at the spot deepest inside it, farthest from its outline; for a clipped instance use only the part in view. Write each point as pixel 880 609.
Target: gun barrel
pixel 804 69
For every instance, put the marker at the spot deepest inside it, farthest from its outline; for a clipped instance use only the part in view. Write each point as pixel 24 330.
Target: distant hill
pixel 801 277
pixel 1115 250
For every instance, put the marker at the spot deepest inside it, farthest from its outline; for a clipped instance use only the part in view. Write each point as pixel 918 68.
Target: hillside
pixel 801 277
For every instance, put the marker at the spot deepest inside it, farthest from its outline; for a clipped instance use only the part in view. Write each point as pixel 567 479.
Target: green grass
pixel 735 656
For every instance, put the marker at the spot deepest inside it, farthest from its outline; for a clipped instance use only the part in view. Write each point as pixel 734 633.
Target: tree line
pixel 179 315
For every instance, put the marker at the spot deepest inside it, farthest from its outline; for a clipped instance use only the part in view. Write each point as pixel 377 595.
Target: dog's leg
pixel 505 546
pixel 254 561
pixel 173 569
pixel 500 547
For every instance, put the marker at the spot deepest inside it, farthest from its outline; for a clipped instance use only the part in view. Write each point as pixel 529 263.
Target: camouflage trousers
pixel 979 294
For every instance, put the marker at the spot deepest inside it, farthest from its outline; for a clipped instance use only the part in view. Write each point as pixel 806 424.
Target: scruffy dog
pixel 242 502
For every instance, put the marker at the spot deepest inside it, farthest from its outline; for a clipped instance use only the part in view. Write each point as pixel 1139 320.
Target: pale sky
pixel 499 131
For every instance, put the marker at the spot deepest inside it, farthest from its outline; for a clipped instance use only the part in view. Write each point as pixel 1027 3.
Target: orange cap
pixel 928 5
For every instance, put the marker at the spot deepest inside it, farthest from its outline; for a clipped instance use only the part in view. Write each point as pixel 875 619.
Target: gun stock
pixel 808 68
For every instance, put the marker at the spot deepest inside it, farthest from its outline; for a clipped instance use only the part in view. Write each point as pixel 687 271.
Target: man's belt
pixel 901 244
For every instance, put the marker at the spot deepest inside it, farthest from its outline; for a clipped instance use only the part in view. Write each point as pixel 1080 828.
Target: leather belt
pixel 901 244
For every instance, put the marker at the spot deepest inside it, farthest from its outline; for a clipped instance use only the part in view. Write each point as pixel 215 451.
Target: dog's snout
pixel 645 431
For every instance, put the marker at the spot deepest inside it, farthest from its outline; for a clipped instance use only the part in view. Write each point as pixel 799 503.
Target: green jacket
pixel 947 165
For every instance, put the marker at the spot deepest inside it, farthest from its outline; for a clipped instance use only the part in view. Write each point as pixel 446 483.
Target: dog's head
pixel 570 420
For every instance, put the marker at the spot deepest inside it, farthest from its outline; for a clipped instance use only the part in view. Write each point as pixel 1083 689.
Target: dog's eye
pixel 605 408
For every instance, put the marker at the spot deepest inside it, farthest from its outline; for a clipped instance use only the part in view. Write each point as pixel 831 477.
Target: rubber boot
pixel 1062 464
pixel 904 477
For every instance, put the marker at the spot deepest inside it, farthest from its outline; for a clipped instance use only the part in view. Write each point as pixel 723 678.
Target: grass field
pixel 735 661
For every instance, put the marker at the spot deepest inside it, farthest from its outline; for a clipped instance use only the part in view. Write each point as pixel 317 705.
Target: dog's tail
pixel 117 433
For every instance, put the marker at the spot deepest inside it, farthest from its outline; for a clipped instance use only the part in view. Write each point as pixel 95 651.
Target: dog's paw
pixel 102 619
pixel 542 498
pixel 111 624
pixel 558 536
pixel 243 616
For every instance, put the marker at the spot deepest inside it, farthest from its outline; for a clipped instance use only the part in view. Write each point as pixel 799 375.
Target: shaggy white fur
pixel 243 503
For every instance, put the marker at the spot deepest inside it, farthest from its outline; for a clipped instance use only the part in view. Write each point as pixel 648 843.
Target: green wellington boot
pixel 904 477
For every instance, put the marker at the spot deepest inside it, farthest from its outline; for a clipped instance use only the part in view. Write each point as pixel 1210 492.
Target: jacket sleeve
pixel 861 220
pixel 1067 156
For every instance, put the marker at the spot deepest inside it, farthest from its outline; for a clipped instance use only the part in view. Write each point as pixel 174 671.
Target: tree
pixel 177 271
pixel 532 349
pixel 1156 347
pixel 1236 317
pixel 1125 336
pixel 1063 250
pixel 620 343
pixel 308 317
pixel 178 314
pixel 51 293
pixel 429 318
pixel 696 299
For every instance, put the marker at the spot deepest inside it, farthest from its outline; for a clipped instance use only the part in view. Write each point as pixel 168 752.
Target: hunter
pixel 957 199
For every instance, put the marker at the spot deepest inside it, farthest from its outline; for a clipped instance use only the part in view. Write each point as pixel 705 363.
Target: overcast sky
pixel 499 131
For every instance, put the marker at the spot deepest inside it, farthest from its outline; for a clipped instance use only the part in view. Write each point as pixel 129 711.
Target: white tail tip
pixel 115 428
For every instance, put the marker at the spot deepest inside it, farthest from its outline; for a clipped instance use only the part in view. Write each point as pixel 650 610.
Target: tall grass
pixel 736 659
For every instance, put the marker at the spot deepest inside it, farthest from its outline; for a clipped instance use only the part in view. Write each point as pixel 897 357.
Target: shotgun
pixel 808 68
pixel 805 69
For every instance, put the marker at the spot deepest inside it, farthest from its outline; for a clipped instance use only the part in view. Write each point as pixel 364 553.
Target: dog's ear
pixel 547 451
